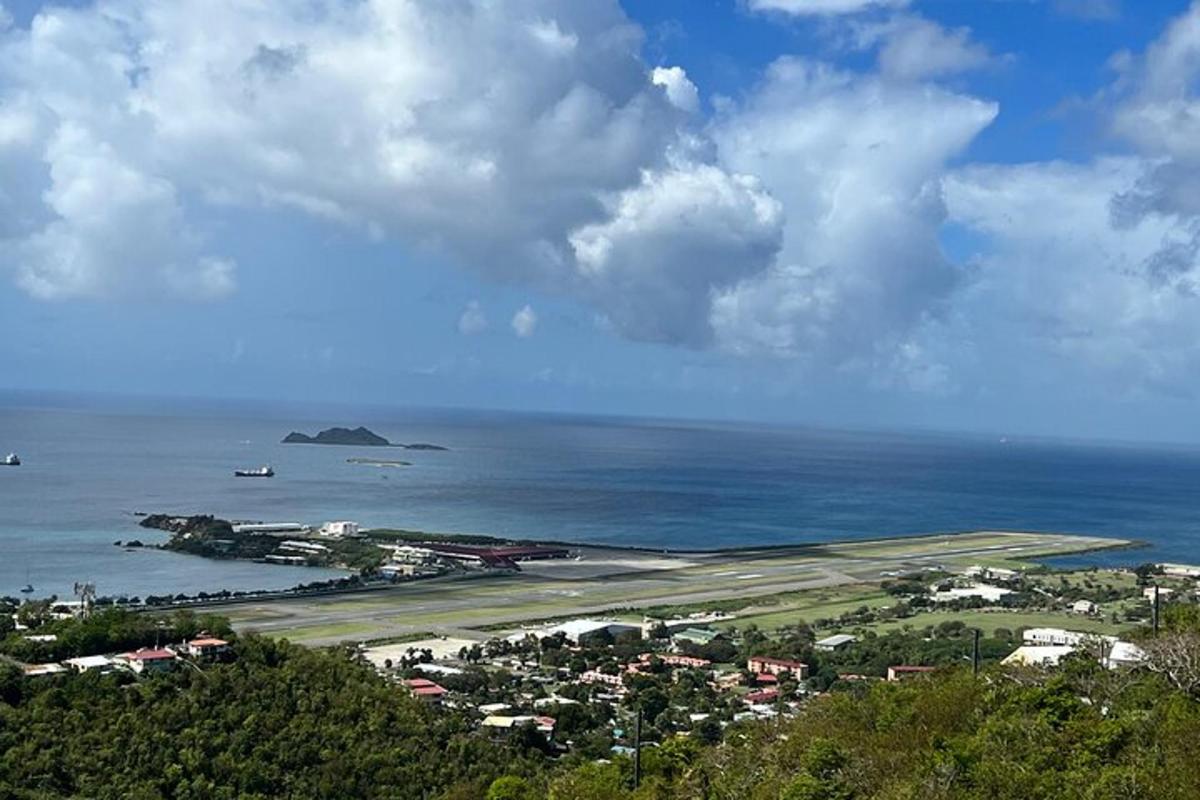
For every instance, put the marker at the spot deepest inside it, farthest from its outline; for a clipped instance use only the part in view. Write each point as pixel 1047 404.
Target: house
pixel 149 660
pixel 426 690
pixel 677 661
pixel 1084 607
pixel 552 700
pixel 1124 654
pixel 763 696
pixel 835 642
pixel 776 666
pixel 595 676
pixel 339 530
pixel 728 680
pixel 507 723
pixel 982 591
pixel 206 647
pixel 1038 655
pixel 1163 592
pixel 899 673
pixel 101 664
pixel 992 573
pixel 1053 636
pixel 406 569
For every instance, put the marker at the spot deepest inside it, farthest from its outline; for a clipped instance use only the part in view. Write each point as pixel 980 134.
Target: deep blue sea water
pixel 599 480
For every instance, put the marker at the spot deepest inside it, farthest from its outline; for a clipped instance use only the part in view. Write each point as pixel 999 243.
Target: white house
pixel 87 663
pixel 1054 636
pixel 343 529
pixel 1084 607
pixel 1038 655
pixel 206 647
pixel 149 660
pixel 992 573
pixel 1124 654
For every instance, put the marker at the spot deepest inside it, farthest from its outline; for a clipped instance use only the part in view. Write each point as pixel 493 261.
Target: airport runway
pixel 604 580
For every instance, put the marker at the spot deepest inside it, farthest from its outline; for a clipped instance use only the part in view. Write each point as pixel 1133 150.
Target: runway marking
pixel 748 577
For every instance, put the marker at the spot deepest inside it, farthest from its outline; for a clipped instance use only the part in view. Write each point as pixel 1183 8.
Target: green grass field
pixel 989 621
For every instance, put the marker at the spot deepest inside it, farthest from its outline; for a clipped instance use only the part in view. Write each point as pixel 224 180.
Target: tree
pixel 511 787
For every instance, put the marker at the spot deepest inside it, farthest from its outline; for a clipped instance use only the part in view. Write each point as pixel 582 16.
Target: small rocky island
pixel 357 437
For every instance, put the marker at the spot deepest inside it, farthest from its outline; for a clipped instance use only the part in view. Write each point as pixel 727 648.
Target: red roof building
pixel 678 661
pixel 425 689
pixel 775 666
pixel 765 696
pixel 150 660
pixel 206 646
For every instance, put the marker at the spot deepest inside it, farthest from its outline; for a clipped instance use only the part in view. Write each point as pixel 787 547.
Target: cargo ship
pixel 261 472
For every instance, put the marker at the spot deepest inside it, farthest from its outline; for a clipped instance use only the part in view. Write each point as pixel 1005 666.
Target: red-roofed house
pixel 148 659
pixel 206 647
pixel 900 673
pixel 774 666
pixel 678 661
pixel 426 690
pixel 765 696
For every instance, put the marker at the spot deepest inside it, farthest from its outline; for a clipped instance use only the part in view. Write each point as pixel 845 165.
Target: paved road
pixel 456 608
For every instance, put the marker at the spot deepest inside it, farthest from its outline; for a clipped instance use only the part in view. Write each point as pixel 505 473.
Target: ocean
pixel 646 483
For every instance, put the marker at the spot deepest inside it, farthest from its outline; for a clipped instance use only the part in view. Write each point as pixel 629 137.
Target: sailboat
pixel 28 587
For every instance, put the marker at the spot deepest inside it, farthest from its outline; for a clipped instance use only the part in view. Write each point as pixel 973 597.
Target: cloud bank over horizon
pixel 533 144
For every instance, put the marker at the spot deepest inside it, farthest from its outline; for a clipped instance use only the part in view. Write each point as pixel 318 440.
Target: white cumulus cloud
pixel 682 93
pixel 500 135
pixel 913 47
pixel 472 320
pixel 824 7
pixel 524 322
pixel 856 162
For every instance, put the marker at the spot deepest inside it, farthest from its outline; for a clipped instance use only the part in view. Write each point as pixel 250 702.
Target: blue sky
pixel 973 215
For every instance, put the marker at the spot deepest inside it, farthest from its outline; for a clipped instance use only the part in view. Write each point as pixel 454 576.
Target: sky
pixel 957 214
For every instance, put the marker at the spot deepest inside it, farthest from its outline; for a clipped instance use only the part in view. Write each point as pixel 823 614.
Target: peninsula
pixel 357 437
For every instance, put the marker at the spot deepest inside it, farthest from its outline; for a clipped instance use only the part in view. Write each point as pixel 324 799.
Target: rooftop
pixel 149 654
pixel 837 640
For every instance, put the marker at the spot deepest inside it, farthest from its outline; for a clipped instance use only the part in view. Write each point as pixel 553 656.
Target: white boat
pixel 12 460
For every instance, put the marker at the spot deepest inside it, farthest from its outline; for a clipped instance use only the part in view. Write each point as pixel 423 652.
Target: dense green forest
pixel 283 721
pixel 279 721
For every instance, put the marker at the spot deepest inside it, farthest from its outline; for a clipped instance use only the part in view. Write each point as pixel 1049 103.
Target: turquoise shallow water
pixel 600 480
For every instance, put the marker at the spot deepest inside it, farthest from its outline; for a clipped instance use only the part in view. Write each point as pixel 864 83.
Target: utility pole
pixel 975 651
pixel 637 751
pixel 1154 611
